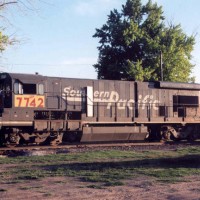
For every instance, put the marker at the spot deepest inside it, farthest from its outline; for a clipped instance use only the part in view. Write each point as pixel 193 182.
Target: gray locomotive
pixel 40 109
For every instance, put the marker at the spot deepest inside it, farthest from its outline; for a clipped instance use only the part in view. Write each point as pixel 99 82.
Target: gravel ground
pixel 62 188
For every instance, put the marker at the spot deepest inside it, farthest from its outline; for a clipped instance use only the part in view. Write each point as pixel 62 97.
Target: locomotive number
pixel 30 101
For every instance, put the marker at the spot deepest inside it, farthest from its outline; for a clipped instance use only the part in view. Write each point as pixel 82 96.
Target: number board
pixel 29 101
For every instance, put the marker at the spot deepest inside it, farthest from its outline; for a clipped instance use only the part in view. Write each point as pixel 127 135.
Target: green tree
pixel 4 41
pixel 131 42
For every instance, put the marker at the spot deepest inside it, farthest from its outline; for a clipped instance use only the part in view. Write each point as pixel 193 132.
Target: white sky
pixel 56 37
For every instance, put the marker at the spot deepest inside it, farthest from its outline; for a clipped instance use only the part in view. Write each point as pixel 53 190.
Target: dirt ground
pixel 61 188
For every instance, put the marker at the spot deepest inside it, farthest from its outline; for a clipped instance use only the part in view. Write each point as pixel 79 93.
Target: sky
pixel 55 36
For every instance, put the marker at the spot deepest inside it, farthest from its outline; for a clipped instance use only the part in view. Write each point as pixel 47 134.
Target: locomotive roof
pixel 36 78
pixel 26 78
pixel 189 86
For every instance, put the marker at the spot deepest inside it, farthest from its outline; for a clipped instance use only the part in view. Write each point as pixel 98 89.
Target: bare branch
pixel 8 9
pixel 7 3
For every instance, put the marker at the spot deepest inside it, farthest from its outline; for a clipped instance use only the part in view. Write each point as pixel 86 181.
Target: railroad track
pixel 77 146
pixel 67 148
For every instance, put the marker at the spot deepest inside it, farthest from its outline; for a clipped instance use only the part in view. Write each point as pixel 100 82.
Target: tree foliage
pixel 131 42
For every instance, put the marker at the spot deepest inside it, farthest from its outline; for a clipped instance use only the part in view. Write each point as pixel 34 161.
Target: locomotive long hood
pixel 191 86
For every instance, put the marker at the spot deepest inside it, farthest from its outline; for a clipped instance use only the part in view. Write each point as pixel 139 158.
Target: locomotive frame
pixel 40 109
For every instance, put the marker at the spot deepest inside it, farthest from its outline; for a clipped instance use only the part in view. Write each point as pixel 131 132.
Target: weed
pixel 113 183
pixel 30 188
pixel 47 194
pixel 95 186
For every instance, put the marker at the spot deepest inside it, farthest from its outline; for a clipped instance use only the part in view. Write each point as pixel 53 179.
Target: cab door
pixel 6 92
pixel 54 95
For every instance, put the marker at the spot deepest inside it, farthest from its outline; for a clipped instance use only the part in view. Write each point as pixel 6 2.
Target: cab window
pixel 18 88
pixel 40 89
pixel 29 88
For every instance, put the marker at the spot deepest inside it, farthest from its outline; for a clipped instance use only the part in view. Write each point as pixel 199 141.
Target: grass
pixel 106 168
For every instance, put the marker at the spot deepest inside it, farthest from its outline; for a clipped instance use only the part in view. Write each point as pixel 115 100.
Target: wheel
pixel 166 135
pixel 55 138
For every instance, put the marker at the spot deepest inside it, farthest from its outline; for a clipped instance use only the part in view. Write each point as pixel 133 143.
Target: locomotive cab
pixel 5 91
pixel 20 96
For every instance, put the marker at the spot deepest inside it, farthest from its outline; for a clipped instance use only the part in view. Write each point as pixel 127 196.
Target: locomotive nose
pixel 1 104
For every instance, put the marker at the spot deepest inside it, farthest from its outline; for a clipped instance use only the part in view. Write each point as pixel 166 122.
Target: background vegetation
pixel 134 41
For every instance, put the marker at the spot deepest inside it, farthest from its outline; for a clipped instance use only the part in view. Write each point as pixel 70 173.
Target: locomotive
pixel 40 109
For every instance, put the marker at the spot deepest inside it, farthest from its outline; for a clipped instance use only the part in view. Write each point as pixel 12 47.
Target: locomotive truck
pixel 40 109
